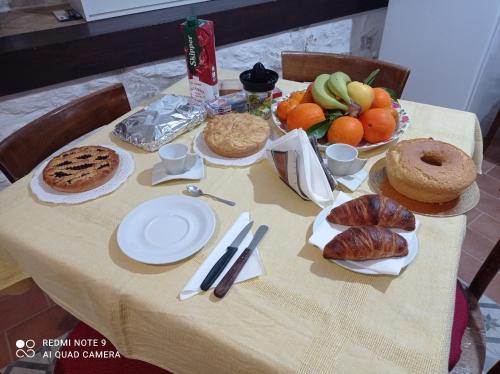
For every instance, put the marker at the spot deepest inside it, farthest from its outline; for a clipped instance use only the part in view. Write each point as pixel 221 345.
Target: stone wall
pixel 359 35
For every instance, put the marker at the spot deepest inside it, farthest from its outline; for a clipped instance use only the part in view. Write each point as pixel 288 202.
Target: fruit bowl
pixel 401 127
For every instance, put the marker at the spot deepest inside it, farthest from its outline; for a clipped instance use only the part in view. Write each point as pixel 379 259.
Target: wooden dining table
pixel 305 314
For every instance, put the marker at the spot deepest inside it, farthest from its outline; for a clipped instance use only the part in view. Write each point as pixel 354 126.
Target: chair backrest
pixel 491 132
pixel 306 66
pixel 495 369
pixel 486 272
pixel 27 147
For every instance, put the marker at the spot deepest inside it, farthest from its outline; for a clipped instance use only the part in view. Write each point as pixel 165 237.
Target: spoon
pixel 195 191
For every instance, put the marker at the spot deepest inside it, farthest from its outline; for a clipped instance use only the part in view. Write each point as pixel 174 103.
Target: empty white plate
pixel 166 229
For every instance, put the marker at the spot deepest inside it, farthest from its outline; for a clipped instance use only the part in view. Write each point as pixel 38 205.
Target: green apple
pixel 361 93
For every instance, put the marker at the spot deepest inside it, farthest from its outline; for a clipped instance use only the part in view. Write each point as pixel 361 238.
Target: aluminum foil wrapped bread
pixel 161 122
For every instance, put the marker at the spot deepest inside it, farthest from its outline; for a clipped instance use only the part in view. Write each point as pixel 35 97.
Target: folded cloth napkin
pixel 253 268
pixel 324 231
pixel 352 182
pixel 294 159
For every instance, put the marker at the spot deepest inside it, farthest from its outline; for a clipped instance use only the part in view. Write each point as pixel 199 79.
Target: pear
pixel 361 94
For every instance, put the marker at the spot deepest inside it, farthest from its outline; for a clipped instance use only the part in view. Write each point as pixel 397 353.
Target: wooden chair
pixel 492 132
pixel 473 343
pixel 306 66
pixel 28 146
pixel 33 143
pixel 495 369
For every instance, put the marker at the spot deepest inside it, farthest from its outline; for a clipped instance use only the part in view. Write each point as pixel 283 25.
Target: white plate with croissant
pixel 377 235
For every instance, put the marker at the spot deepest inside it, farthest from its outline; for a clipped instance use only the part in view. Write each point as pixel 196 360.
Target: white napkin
pixel 294 159
pixel 253 268
pixel 324 231
pixel 352 182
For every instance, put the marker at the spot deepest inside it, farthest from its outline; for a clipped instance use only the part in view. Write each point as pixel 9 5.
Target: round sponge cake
pixel 428 170
pixel 236 135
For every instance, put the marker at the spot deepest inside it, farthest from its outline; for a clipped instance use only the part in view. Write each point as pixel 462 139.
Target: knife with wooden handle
pixel 221 264
pixel 228 280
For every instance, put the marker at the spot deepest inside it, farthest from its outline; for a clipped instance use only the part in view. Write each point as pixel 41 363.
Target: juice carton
pixel 199 48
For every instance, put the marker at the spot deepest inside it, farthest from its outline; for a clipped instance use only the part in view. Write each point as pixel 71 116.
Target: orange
pixel 285 107
pixel 304 116
pixel 381 99
pixel 297 95
pixel 345 129
pixel 308 96
pixel 378 124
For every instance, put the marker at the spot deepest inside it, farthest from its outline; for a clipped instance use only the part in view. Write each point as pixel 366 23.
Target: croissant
pixel 373 210
pixel 366 243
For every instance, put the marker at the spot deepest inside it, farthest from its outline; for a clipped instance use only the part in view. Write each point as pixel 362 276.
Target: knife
pixel 222 262
pixel 329 175
pixel 228 280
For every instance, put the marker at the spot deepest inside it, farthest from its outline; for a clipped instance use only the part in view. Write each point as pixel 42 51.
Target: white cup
pixel 342 159
pixel 176 159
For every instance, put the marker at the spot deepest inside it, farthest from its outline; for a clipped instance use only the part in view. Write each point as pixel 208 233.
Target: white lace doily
pixel 47 194
pixel 201 148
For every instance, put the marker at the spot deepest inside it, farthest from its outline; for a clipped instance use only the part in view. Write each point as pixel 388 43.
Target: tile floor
pixel 483 222
pixel 30 315
pixel 35 315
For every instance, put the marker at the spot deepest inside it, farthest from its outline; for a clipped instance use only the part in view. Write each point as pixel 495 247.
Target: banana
pixel 338 85
pixel 323 96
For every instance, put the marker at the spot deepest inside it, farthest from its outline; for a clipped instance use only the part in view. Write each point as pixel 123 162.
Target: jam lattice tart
pixel 81 169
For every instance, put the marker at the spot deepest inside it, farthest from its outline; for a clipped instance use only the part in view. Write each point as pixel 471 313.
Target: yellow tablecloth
pixel 304 315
